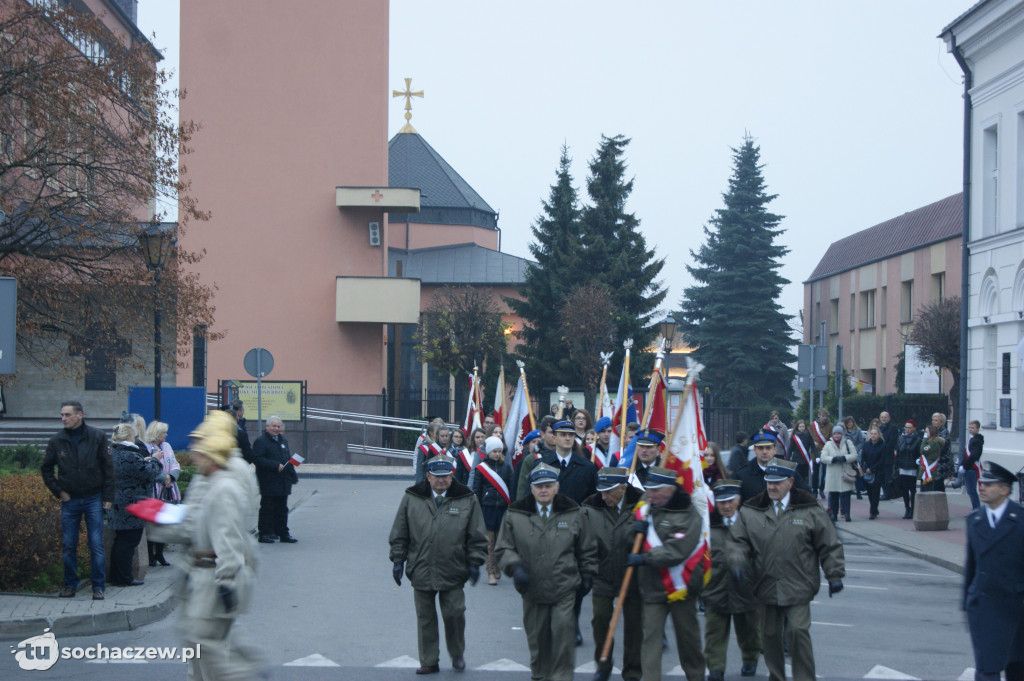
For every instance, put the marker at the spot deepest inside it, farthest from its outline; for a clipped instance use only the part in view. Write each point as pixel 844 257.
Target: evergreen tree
pixel 617 255
pixel 557 250
pixel 731 316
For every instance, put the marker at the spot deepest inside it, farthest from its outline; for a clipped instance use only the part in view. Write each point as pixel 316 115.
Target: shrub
pixel 30 537
pixel 23 457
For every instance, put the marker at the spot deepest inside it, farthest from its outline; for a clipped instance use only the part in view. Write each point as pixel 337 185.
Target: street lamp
pixel 668 331
pixel 157 246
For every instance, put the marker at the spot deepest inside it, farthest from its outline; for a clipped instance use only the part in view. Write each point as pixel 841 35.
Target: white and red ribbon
pixel 671 577
pixel 803 452
pixel 928 468
pixel 600 458
pixel 495 480
pixel 467 458
pixel 817 431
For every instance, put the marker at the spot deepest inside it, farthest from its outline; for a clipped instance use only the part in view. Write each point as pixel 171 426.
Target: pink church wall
pixel 418 235
pixel 292 98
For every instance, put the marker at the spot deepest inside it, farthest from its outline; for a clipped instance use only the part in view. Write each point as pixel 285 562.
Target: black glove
pixel 636 559
pixel 640 526
pixel 397 571
pixel 586 584
pixel 739 577
pixel 474 574
pixel 521 578
pixel 834 587
pixel 227 596
pixel 839 459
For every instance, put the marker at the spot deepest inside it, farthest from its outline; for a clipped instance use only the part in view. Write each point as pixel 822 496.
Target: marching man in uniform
pixel 672 530
pixel 438 540
pixel 784 535
pixel 994 578
pixel 546 547
pixel 609 513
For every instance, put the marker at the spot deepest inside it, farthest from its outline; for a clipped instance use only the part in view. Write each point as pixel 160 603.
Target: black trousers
pixel 273 518
pixel 839 502
pixel 908 483
pixel 874 492
pixel 125 543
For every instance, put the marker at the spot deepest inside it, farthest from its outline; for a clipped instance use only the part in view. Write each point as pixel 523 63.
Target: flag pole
pixel 476 391
pixel 679 415
pixel 606 650
pixel 605 358
pixel 650 401
pixel 563 390
pixel 526 393
pixel 627 344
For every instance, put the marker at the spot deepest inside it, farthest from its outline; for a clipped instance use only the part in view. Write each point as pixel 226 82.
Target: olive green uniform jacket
pixel 785 552
pixel 555 552
pixel 438 544
pixel 722 594
pixel 613 532
pixel 678 525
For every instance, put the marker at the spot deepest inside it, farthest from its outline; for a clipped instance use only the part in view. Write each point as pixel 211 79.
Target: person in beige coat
pixel 220 564
pixel 840 456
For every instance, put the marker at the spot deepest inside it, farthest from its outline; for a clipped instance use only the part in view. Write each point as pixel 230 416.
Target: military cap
pixel 993 472
pixel 441 465
pixel 603 424
pixel 660 477
pixel 564 426
pixel 778 470
pixel 542 473
pixel 649 437
pixel 763 439
pixel 726 490
pixel 610 478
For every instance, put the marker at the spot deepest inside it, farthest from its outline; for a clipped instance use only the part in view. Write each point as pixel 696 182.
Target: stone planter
pixel 931 512
pixel 140 561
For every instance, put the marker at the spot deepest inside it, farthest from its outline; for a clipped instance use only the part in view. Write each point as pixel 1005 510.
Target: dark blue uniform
pixel 994 592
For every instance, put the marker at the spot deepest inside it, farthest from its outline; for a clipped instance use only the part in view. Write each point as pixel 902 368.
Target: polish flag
pixel 623 400
pixel 472 421
pixel 499 400
pixel 156 511
pixel 518 422
pixel 296 460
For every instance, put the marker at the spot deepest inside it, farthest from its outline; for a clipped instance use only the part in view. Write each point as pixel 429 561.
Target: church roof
pixel 446 198
pixel 458 264
pixel 939 221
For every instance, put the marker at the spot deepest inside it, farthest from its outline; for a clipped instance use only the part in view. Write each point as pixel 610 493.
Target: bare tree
pixel 937 331
pixel 88 149
pixel 459 328
pixel 587 324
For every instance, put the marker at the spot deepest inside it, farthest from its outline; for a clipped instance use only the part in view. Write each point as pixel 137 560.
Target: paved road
pixel 329 601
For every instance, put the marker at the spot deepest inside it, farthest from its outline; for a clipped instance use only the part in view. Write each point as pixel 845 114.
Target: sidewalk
pixel 124 608
pixel 945 548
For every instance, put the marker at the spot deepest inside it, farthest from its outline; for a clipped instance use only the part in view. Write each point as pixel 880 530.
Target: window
pixel 1020 168
pixel 853 311
pixel 199 356
pixel 938 286
pixel 989 386
pixel 881 310
pixel 833 315
pixel 990 181
pixel 867 309
pixel 907 302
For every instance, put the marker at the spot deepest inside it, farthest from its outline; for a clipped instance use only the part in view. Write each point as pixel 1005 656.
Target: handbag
pixel 851 469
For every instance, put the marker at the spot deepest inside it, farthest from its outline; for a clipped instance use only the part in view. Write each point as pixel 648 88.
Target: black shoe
pixel 459 664
pixel 909 515
pixel 273 536
pixel 716 675
pixel 67 592
pixel 859 497
pixel 152 563
pixel 579 637
pixel 848 519
pixel 134 582
pixel 872 516
pixel 265 539
pixel 163 561
pixel 748 669
pixel 97 594
pixel 429 669
pixel 288 539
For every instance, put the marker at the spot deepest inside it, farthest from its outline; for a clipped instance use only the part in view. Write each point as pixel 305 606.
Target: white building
pixel 988 41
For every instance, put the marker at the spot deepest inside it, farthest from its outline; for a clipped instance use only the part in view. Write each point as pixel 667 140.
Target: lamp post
pixel 157 246
pixel 668 331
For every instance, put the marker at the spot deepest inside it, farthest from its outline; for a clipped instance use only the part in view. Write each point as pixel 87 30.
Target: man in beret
pixel 993 576
pixel 672 530
pixel 726 601
pixel 545 546
pixel 783 535
pixel 609 514
pixel 603 428
pixel 438 539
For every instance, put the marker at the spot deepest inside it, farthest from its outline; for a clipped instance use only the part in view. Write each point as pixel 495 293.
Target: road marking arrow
pixel 503 665
pixel 403 662
pixel 314 660
pixel 880 672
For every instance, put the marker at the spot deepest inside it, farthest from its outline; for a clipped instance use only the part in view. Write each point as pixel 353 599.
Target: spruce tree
pixel 557 250
pixel 731 316
pixel 617 256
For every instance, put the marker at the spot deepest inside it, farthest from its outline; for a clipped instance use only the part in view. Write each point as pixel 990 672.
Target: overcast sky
pixel 856 106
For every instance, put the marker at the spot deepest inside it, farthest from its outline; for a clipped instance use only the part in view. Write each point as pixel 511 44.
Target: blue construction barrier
pixel 182 409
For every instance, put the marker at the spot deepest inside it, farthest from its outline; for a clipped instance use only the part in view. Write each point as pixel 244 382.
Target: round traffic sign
pixel 258 362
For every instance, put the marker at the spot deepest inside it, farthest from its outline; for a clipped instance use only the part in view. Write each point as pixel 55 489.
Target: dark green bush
pixel 21 458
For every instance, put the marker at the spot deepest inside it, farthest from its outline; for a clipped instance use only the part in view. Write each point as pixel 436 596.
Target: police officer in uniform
pixel 994 577
pixel 667 510
pixel 609 514
pixel 438 539
pixel 546 547
pixel 728 602
pixel 647 451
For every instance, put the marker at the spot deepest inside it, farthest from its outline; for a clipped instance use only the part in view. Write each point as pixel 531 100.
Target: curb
pixel 357 476
pixel 909 550
pixel 112 621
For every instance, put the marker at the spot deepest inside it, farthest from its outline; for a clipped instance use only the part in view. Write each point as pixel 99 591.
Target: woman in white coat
pixel 839 478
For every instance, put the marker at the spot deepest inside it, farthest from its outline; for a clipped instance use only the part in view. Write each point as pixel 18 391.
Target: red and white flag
pixel 518 420
pixel 159 512
pixel 499 400
pixel 296 460
pixel 472 421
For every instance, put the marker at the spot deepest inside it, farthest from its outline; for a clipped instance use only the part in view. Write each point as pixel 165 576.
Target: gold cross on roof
pixel 408 94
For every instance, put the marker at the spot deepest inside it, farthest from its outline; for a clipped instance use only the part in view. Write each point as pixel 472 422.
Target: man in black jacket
pixel 276 477
pixel 751 476
pixel 237 409
pixel 84 483
pixel 886 474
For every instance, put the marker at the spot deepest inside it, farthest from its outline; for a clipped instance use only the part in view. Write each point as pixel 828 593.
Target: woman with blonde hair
pixel 166 488
pixel 134 474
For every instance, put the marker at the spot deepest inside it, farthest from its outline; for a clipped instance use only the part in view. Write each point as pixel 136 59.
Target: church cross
pixel 408 94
